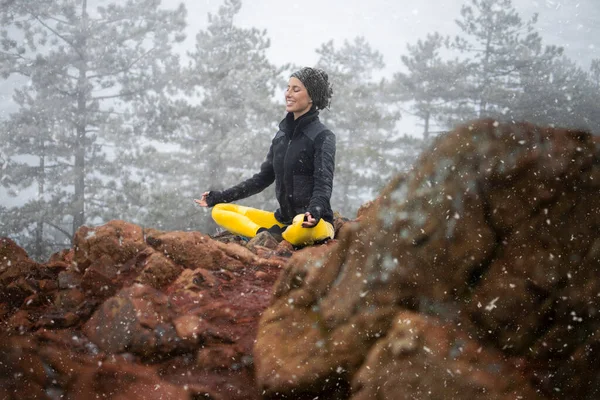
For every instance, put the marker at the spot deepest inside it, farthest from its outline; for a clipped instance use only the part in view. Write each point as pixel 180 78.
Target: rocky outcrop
pixel 133 313
pixel 474 277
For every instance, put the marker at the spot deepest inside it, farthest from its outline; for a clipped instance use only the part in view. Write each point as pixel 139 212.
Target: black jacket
pixel 301 162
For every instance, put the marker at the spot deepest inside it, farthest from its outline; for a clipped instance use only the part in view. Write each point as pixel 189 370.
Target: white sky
pixel 297 28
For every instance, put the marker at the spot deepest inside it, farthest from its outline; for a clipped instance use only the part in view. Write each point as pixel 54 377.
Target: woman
pixel 301 162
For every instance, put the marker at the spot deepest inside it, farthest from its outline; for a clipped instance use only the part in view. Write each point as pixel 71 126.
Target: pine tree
pixel 90 70
pixel 433 87
pixel 557 93
pixel 229 120
pixel 595 72
pixel 362 120
pixel 500 45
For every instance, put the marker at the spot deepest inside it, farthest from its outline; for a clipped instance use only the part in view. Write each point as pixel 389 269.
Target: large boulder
pixel 490 244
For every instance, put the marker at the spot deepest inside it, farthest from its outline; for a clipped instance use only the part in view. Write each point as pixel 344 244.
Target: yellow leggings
pixel 245 221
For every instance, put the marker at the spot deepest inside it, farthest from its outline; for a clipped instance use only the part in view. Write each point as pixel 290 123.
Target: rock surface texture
pixel 133 314
pixel 476 276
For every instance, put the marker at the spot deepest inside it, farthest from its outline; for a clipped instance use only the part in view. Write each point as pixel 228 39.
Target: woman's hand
pixel 309 221
pixel 202 201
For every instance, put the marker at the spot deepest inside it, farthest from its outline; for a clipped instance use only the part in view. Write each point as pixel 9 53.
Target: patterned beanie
pixel 317 84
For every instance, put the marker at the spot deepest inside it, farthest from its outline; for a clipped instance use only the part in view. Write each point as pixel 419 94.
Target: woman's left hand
pixel 309 221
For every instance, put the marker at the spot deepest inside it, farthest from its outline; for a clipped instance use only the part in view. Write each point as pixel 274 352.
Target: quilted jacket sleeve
pixel 324 165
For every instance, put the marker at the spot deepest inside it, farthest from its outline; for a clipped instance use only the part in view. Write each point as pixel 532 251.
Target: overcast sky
pixel 297 28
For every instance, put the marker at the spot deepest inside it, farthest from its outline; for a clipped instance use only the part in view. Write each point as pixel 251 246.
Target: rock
pixel 141 299
pixel 120 380
pixel 263 239
pixel 494 232
pixel 194 250
pixel 137 319
pixel 218 357
pixel 15 268
pixel 11 255
pixel 475 276
pixel 69 279
pixel 119 240
pixel 158 271
pixel 20 321
pixel 284 249
pixel 455 365
pixel 100 277
pixel 191 328
pixel 69 299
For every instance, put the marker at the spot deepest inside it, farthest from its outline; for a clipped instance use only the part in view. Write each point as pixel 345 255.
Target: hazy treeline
pixel 114 123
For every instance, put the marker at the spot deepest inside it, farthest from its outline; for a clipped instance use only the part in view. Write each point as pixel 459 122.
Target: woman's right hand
pixel 202 201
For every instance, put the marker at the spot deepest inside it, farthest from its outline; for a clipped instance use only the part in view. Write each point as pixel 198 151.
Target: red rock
pixel 100 278
pixel 125 381
pixel 15 292
pixel 11 254
pixel 64 256
pixel 166 326
pixel 489 248
pixel 22 371
pixel 264 240
pixel 128 321
pixel 422 357
pixel 20 321
pixel 69 279
pixel 495 231
pixel 69 299
pixel 218 357
pixel 119 240
pixel 284 249
pixel 57 321
pixel 194 250
pixel 261 275
pixel 158 271
pixel 15 269
pixel 191 327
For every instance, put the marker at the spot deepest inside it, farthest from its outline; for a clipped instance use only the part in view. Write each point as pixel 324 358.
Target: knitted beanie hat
pixel 317 84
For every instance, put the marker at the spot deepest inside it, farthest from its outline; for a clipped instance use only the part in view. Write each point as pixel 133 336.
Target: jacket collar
pixel 289 126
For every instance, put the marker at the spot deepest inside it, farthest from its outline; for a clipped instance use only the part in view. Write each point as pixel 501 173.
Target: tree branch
pixel 125 69
pixel 58 228
pixel 57 19
pixel 56 33
pixel 113 96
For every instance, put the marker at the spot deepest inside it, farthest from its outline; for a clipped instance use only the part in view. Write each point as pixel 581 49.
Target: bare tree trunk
pixel 79 198
pixel 39 229
pixel 426 131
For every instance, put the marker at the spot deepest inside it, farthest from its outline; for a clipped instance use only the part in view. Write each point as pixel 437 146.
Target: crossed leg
pixel 241 220
pixel 246 221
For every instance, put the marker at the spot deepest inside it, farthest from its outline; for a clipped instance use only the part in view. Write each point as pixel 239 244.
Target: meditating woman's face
pixel 297 99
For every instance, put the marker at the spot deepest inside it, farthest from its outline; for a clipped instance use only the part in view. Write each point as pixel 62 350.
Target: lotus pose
pixel 301 163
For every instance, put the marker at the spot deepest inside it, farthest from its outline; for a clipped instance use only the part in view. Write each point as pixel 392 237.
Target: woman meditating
pixel 301 162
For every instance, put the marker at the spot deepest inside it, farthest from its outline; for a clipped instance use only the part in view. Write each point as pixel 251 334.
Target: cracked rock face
pixel 474 277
